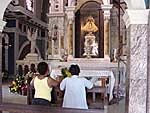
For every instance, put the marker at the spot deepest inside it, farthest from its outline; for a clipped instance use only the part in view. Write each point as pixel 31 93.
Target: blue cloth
pixel 40 101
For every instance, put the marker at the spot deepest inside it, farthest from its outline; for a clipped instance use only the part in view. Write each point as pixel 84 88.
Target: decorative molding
pixel 135 17
pixel 70 13
pixel 81 2
pixel 106 9
pixel 58 14
pixel 56 6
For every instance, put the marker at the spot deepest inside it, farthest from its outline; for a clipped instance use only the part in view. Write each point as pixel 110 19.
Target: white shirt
pixel 75 94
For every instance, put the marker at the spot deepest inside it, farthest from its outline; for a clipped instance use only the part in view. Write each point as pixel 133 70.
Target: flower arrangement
pixel 65 72
pixel 29 76
pixel 17 84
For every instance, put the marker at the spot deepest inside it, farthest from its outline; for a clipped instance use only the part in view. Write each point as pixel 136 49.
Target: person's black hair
pixel 26 69
pixel 42 68
pixel 20 70
pixel 32 68
pixel 74 69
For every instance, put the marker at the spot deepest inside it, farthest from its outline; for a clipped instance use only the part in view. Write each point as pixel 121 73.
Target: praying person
pixel 43 85
pixel 75 89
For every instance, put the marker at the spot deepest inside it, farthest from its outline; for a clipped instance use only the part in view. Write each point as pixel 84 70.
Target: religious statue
pixel 95 49
pixel 90 26
pixel 90 45
pixel 29 5
pixel 32 38
pixel 115 55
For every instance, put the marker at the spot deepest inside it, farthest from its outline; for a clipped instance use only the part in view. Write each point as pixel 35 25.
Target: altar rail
pixel 18 108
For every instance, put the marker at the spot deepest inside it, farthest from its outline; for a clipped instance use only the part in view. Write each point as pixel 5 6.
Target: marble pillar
pixel 106 8
pixel 106 38
pixel 70 38
pixel 136 80
pixel 148 72
pixel 70 17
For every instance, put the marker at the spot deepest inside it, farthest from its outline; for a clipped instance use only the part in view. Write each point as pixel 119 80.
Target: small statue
pixel 115 55
pixel 32 38
pixel 95 49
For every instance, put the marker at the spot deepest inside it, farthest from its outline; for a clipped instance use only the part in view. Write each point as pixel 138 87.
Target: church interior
pixel 108 39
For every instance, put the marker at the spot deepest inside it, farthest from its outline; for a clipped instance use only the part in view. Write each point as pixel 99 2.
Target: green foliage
pixel 65 72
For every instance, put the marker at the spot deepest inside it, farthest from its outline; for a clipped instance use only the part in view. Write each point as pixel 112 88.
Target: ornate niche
pixel 90 8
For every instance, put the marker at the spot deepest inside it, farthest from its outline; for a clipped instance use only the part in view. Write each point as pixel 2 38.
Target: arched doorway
pixel 93 9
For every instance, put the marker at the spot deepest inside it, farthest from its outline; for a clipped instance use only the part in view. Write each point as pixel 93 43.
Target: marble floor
pixel 15 98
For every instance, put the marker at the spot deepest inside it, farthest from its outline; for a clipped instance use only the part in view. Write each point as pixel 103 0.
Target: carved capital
pixel 70 13
pixel 106 9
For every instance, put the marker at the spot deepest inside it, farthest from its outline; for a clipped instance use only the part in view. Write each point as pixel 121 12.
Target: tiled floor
pixel 15 98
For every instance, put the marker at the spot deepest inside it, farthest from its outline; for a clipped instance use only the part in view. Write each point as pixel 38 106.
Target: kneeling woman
pixel 43 85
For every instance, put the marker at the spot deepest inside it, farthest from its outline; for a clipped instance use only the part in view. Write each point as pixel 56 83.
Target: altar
pixel 93 76
pixel 96 74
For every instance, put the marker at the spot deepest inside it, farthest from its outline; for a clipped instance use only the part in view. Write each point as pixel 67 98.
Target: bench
pixel 18 108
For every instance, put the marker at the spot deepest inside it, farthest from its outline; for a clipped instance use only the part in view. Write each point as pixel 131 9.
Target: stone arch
pixel 24 45
pixel 80 3
pixel 4 4
pixel 89 8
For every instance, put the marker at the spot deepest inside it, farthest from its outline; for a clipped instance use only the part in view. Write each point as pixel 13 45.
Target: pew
pixel 18 108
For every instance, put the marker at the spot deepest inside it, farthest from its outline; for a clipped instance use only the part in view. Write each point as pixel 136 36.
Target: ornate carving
pixel 15 2
pixel 32 38
pixel 55 33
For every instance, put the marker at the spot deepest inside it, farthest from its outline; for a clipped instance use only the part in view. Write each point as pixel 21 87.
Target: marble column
pixel 106 8
pixel 148 72
pixel 136 90
pixel 70 16
pixel 106 38
pixel 70 27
